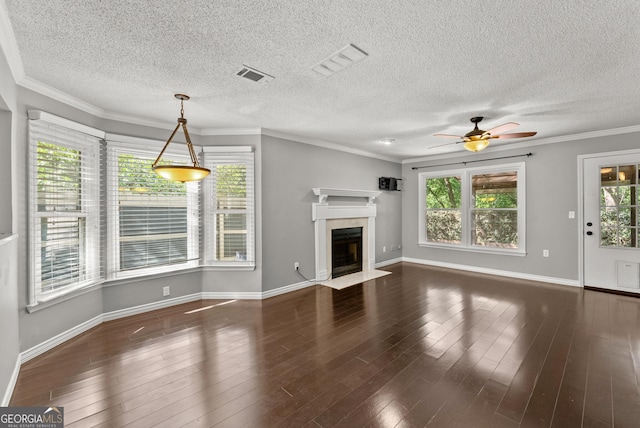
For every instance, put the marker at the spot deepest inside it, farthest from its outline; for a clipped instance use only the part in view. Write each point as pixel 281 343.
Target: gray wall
pixel 6 217
pixel 123 294
pixel 9 319
pixel 289 171
pixel 552 191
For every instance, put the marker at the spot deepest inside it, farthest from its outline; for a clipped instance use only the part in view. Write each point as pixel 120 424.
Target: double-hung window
pixel 153 223
pixel 229 195
pixel 64 214
pixel 479 209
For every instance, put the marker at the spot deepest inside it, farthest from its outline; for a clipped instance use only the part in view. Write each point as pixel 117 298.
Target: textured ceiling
pixel 556 67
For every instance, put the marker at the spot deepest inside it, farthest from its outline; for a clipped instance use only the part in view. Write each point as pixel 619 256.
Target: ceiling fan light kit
pixel 476 145
pixel 478 139
pixel 182 173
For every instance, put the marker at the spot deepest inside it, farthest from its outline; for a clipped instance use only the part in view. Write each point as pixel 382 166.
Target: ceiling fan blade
pixel 442 145
pixel 515 135
pixel 448 136
pixel 502 128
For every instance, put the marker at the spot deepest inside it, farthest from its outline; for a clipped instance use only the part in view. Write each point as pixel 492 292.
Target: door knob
pixel 589 224
pixel 589 233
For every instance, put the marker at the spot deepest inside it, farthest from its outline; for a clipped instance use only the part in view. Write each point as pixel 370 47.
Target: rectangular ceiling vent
pixel 340 60
pixel 255 75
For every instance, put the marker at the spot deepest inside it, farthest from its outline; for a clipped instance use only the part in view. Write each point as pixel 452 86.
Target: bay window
pixel 98 212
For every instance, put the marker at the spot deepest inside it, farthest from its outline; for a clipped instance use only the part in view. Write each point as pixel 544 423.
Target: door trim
pixel 580 195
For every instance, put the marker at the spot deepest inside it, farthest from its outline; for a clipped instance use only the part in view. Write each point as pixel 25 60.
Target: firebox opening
pixel 346 251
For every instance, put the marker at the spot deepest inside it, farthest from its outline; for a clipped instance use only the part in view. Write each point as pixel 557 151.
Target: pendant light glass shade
pixel 181 173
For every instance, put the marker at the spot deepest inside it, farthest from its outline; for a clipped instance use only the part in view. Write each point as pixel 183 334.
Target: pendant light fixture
pixel 181 173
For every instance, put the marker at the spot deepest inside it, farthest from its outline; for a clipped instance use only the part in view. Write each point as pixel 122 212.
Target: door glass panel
pixel 627 174
pixel 627 237
pixel 624 194
pixel 618 206
pixel 608 196
pixel 625 217
pixel 608 217
pixel 608 237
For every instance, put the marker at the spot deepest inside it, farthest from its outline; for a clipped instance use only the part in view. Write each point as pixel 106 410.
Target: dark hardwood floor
pixel 421 347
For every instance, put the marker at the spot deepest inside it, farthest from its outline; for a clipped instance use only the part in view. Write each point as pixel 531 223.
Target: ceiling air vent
pixel 340 60
pixel 254 75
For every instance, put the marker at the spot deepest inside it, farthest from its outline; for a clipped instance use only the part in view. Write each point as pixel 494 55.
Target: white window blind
pixel 230 223
pixel 64 210
pixel 153 223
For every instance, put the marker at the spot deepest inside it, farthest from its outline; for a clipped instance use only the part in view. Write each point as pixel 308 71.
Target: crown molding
pixel 230 131
pixel 9 45
pixel 533 143
pixel 325 144
pixel 58 95
pixel 143 121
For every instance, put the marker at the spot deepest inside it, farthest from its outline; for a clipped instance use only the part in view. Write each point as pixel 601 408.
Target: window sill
pixel 62 296
pixel 483 250
pixel 246 266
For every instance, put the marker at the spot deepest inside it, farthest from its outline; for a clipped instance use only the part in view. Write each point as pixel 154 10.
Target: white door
pixel 611 240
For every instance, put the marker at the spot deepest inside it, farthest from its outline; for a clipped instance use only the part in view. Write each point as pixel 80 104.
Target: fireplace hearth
pixel 346 251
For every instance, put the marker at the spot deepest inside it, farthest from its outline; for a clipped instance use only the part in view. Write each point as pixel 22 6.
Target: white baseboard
pixel 286 289
pixel 59 339
pixel 12 384
pixel 388 262
pixel 497 272
pixel 108 316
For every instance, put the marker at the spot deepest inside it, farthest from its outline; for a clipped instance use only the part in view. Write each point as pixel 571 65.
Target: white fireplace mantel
pixel 324 192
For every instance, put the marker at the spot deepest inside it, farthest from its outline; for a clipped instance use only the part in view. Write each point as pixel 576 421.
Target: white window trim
pixel 209 215
pixel 125 145
pixel 466 208
pixel 38 298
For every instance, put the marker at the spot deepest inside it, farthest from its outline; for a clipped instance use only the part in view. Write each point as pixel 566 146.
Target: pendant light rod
pixel 166 145
pixel 181 173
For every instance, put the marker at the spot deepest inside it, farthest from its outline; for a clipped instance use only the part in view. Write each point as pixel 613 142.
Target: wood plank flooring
pixel 420 347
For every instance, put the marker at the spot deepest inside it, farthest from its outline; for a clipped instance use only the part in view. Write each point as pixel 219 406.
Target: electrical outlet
pixel 545 253
pixel 399 246
pixel 296 266
pixel 166 291
pixel 384 249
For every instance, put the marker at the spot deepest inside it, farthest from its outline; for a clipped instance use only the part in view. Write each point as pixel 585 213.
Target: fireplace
pixel 327 217
pixel 346 251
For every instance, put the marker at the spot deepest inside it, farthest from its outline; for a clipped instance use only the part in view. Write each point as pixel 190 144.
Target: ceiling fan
pixel 478 139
